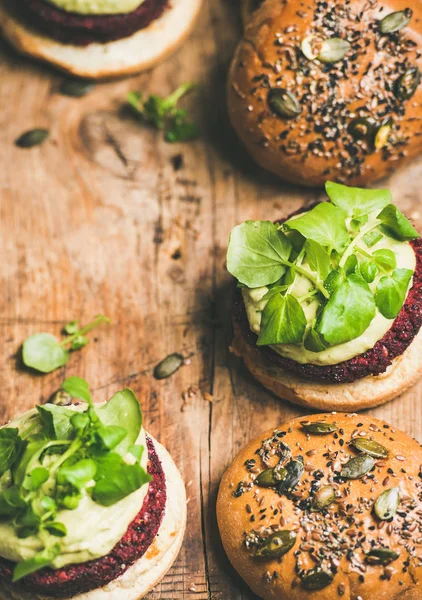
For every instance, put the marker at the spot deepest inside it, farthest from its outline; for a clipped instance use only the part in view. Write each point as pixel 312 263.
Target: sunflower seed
pixel 33 137
pixel 168 366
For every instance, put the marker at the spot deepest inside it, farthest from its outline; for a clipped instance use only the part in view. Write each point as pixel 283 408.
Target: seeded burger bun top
pixel 101 40
pixel 326 507
pixel 323 90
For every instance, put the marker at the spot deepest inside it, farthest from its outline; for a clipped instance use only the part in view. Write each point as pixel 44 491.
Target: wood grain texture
pixel 99 220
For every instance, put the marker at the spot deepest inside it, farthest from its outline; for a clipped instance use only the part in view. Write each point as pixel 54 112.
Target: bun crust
pixel 147 572
pixel 364 393
pixel 348 524
pixel 316 145
pixel 97 61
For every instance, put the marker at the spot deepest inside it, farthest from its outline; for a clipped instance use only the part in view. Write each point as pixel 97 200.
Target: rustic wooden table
pixel 107 217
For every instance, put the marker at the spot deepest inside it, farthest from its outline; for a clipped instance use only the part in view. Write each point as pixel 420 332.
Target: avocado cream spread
pixel 73 501
pixel 97 7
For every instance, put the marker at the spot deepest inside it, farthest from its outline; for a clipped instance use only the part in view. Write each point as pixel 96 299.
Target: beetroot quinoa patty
pixel 78 578
pixel 81 30
pixel 373 362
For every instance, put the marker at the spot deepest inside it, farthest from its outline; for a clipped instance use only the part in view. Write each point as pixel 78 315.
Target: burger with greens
pixel 328 308
pixel 91 506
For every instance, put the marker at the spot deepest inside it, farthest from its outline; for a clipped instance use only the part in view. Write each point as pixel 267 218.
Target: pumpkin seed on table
pixel 369 447
pixel 323 498
pixel 294 470
pixel 168 366
pixel 60 398
pixel 387 503
pixel 283 103
pixel 271 477
pixel 318 427
pixel 277 544
pixel 357 467
pixel 333 50
pixel 76 88
pixel 381 556
pixel 395 21
pixel 406 85
pixel 31 138
pixel 316 579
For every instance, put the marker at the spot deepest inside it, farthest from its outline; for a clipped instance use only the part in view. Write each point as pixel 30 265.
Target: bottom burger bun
pixel 122 57
pixel 148 571
pixel 364 393
pixel 307 512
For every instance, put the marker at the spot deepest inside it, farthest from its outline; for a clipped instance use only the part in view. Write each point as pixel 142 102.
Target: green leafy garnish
pixel 163 113
pixel 283 321
pixel 324 224
pixel 45 353
pixel 62 455
pixel 391 292
pixel 396 224
pixel 357 202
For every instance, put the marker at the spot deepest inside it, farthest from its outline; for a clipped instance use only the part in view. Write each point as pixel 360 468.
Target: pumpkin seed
pixel 311 46
pixel 395 21
pixel 381 556
pixel 318 427
pixel 283 103
pixel 76 88
pixel 60 398
pixel 387 503
pixel 316 579
pixel 357 467
pixel 406 85
pixel 294 470
pixel 323 498
pixel 381 136
pixel 168 366
pixel 33 137
pixel 362 128
pixel 369 447
pixel 271 477
pixel 277 544
pixel 333 50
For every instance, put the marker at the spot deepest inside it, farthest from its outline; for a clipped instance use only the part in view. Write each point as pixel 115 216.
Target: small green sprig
pixel 163 113
pixel 62 455
pixel 330 245
pixel 45 353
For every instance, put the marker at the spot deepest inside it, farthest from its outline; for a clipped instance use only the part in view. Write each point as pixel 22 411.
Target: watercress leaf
pixel 40 560
pixel 79 342
pixel 369 270
pixel 386 259
pixel 283 321
pixel 179 129
pixel 29 520
pixel 39 475
pixel 396 224
pixel 372 237
pixel 318 258
pixel 137 451
pixel 78 474
pixel 314 341
pixel 110 436
pixel 70 501
pixel 56 421
pixel 11 446
pixel 71 327
pixel 80 421
pixel 77 388
pixel 134 99
pixel 48 504
pixel 356 224
pixel 57 529
pixel 324 224
pixel 11 502
pixel 348 313
pixel 278 289
pixel 334 279
pixel 257 252
pixel 357 201
pixel 119 484
pixel 43 352
pixel 106 464
pixel 123 410
pixel 351 265
pixel 391 292
pixel 290 276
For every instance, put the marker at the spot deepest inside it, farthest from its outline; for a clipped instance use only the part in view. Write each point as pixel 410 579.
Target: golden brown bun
pixel 348 524
pixel 368 392
pixel 129 55
pixel 267 58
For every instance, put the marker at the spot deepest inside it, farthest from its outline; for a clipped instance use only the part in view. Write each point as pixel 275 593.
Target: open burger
pixel 326 508
pixel 328 309
pixel 97 38
pixel 91 506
